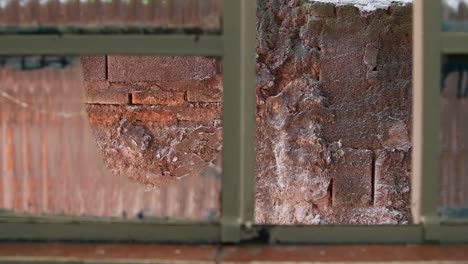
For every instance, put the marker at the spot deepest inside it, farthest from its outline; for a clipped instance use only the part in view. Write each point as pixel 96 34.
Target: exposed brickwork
pixel 158 98
pixel 199 114
pixel 96 86
pixel 100 115
pixel 160 68
pixel 151 115
pixel 94 68
pixel 157 120
pixel 106 97
pixel 333 114
pixel 392 180
pixel 352 184
pixel 359 67
pixel 205 95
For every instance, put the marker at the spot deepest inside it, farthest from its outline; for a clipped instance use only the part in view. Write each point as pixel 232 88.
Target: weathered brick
pixel 106 97
pixel 352 179
pixel 206 95
pixel 94 68
pixel 158 98
pixel 392 179
pixel 353 130
pixel 397 136
pixel 103 115
pixel 96 85
pixel 348 10
pixel 199 114
pixel 182 86
pixel 319 9
pixel 160 68
pixel 151 115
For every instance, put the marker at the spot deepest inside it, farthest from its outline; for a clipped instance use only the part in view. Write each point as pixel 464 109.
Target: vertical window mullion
pixel 238 117
pixel 426 113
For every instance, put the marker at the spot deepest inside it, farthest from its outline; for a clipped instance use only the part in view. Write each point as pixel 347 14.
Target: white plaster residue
pixel 280 150
pixel 365 5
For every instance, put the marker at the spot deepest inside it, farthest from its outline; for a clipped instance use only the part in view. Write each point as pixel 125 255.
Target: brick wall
pixel 333 114
pixel 49 162
pixel 156 119
pixel 333 120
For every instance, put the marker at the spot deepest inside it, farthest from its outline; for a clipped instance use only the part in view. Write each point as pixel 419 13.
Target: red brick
pixel 106 97
pixel 151 115
pixel 205 95
pixel 94 68
pixel 160 68
pixel 96 85
pixel 392 179
pixel 353 130
pixel 105 115
pixel 102 117
pixel 352 179
pixel 180 86
pixel 199 114
pixel 158 98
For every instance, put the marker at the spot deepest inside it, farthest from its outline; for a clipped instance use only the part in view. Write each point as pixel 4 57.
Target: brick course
pixel 94 68
pixel 392 179
pixel 333 124
pixel 205 95
pixel 106 97
pixel 352 181
pixel 160 68
pixel 151 115
pixel 158 98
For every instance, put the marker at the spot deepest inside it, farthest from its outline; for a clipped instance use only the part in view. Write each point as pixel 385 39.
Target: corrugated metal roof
pixel 45 15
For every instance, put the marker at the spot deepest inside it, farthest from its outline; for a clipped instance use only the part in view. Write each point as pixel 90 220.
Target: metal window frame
pixel 430 44
pixel 236 47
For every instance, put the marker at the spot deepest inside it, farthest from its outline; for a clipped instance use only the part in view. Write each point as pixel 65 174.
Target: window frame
pixel 236 47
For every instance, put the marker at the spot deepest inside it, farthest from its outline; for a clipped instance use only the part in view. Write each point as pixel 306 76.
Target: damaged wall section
pixel 333 114
pixel 338 81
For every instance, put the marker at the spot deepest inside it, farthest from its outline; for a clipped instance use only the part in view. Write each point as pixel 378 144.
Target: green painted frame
pixel 430 44
pixel 205 45
pixel 238 118
pixel 426 113
pixel 236 46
